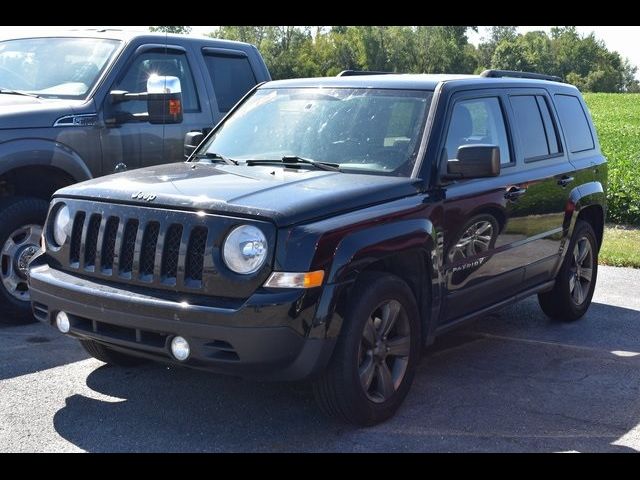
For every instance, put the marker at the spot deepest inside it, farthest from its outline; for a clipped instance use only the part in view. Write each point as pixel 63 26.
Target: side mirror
pixel 164 99
pixel 164 102
pixel 191 141
pixel 475 161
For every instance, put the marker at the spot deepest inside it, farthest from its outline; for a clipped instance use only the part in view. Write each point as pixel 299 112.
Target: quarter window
pixel 478 121
pixel 535 125
pixel 574 123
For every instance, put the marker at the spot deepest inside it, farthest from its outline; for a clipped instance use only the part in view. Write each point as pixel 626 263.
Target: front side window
pixel 477 121
pixel 55 67
pixel 368 130
pixel 163 64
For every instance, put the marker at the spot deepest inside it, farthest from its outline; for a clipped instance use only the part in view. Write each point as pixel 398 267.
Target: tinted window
pixel 135 80
pixel 549 126
pixel 574 123
pixel 530 126
pixel 232 77
pixel 477 121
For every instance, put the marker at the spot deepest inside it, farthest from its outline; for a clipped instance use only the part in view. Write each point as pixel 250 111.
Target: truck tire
pixel 21 221
pixel 376 354
pixel 110 356
pixel 571 295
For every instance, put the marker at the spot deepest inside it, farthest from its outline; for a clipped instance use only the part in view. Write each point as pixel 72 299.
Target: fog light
pixel 180 348
pixel 62 322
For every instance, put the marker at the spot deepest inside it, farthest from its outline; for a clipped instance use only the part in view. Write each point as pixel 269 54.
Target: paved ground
pixel 510 382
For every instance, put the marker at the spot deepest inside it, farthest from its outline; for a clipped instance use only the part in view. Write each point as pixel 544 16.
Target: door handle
pixel 513 193
pixel 565 180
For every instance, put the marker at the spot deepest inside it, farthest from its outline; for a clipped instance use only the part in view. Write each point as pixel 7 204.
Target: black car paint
pixel 343 228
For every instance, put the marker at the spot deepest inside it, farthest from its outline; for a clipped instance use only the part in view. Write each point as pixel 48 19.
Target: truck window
pixel 231 77
pixel 574 123
pixel 173 64
pixel 478 121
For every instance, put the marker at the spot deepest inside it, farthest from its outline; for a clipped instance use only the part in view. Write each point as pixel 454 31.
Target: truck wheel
pixel 571 295
pixel 375 357
pixel 110 356
pixel 21 221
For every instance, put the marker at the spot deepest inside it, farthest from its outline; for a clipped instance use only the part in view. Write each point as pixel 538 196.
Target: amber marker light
pixel 295 279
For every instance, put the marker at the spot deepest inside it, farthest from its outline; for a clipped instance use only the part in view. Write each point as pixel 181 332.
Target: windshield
pixel 368 130
pixel 54 67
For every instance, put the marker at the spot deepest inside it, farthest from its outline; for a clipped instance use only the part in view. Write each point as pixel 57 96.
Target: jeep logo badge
pixel 143 196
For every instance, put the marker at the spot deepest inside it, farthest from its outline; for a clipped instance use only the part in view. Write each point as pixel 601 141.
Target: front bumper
pixel 245 341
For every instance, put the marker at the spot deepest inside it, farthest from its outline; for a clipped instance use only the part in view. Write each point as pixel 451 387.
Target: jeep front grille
pixel 134 250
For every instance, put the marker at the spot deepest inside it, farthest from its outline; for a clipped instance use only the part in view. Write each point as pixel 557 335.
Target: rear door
pixel 546 180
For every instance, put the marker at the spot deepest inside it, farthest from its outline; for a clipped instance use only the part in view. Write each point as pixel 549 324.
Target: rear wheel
pixel 571 295
pixel 110 356
pixel 21 221
pixel 374 361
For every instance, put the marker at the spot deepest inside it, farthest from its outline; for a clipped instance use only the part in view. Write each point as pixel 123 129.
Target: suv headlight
pixel 61 226
pixel 245 249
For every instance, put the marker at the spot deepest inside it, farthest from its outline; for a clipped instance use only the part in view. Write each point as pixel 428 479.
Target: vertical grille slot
pixel 148 249
pixel 195 254
pixel 109 244
pixel 171 252
pixel 76 238
pixel 128 246
pixel 91 242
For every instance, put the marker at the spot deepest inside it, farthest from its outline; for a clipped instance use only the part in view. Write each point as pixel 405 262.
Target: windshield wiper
pixel 295 160
pixel 216 156
pixel 7 91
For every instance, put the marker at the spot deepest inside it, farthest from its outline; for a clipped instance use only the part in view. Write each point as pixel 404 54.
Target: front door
pixel 128 141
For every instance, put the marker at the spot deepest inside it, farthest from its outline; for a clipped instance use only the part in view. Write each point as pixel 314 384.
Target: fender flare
pixel 26 152
pixel 358 250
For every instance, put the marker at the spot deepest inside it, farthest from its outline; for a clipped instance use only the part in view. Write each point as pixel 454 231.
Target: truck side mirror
pixel 164 99
pixel 475 161
pixel 191 141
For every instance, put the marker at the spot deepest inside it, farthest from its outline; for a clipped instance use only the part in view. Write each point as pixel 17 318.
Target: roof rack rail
pixel 353 73
pixel 513 73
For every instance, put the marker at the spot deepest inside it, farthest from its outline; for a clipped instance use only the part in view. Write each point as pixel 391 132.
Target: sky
pixel 624 40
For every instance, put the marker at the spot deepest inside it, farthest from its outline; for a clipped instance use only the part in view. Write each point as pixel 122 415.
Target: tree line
pixel 309 51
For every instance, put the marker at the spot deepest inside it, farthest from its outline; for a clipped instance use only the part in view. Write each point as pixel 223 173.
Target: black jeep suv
pixel 329 228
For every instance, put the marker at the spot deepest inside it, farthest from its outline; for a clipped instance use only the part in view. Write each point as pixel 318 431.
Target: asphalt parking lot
pixel 513 381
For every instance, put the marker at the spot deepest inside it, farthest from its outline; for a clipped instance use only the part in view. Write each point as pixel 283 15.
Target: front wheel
pixel 21 220
pixel 571 295
pixel 374 361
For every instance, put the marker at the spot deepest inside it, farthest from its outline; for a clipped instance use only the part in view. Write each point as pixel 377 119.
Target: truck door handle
pixel 565 180
pixel 513 193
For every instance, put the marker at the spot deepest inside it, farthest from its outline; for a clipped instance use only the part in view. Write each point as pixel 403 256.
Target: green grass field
pixel 621 247
pixel 617 120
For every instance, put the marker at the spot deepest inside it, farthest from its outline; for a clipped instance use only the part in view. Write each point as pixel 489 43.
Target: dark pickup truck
pixel 329 228
pixel 64 118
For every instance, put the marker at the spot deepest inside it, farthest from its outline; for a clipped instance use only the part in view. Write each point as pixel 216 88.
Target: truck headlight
pixel 61 226
pixel 245 249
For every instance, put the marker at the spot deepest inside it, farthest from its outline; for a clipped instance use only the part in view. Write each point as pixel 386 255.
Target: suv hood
pixel 19 111
pixel 284 195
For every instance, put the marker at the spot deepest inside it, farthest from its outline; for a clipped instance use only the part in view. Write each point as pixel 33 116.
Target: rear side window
pixel 574 123
pixel 231 76
pixel 537 132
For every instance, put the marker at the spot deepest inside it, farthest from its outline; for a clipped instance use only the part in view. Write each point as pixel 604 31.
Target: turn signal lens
pixel 295 280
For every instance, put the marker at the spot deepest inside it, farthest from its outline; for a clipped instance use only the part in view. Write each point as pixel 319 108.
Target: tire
pixel 563 303
pixel 21 221
pixel 339 391
pixel 110 356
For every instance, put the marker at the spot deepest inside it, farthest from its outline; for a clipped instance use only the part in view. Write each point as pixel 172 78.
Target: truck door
pixel 138 143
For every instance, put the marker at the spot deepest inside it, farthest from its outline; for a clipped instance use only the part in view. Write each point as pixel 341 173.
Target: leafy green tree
pixel 171 29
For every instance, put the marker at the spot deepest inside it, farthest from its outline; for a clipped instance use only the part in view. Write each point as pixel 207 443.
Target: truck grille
pixel 147 252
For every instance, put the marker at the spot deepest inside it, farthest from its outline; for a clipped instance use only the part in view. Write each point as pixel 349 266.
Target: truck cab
pixel 62 121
